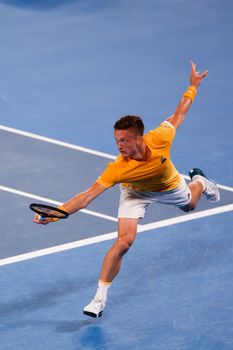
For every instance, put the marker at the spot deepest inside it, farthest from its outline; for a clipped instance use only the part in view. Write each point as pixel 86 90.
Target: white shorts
pixel 133 203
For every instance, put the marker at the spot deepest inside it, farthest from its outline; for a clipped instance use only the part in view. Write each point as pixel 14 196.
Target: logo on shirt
pixel 163 160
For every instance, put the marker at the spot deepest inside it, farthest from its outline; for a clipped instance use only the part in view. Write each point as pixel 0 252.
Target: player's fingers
pixel 35 218
pixel 193 66
pixel 40 220
pixel 204 74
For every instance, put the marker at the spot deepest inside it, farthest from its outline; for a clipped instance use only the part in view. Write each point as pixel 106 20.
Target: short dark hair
pixel 130 122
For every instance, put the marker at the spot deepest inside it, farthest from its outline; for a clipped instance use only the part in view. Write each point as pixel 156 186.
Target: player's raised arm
pixel 196 78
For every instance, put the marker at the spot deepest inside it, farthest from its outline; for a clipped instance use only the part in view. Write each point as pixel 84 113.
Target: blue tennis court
pixel 69 69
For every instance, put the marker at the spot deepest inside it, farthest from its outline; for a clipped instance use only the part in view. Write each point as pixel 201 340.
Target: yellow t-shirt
pixel 155 174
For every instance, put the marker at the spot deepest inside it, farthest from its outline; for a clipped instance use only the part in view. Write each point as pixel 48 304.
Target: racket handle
pixel 41 218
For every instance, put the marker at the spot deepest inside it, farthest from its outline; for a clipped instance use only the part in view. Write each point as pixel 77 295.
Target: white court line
pixel 108 236
pixel 56 142
pixel 113 235
pixel 222 187
pixel 77 148
pixel 51 201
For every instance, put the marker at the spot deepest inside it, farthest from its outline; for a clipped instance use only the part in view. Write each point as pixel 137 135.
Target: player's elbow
pixel 86 201
pixel 87 198
pixel 176 119
pixel 91 193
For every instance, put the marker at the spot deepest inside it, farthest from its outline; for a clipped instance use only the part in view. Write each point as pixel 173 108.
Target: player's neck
pixel 142 154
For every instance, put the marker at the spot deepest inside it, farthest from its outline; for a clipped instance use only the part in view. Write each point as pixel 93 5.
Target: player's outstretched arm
pixel 80 201
pixel 196 78
pixel 83 199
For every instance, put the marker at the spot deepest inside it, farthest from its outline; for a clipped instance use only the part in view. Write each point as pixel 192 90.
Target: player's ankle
pixel 102 290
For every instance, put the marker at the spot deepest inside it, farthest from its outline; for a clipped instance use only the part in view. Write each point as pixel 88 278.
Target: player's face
pixel 127 142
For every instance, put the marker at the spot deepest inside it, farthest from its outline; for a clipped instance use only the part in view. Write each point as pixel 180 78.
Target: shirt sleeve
pixel 164 134
pixel 109 176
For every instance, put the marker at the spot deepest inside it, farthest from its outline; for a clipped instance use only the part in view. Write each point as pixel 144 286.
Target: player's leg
pixel 210 188
pixel 127 230
pixel 197 189
pixel 201 184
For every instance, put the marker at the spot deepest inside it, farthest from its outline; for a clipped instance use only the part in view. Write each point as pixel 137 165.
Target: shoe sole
pixel 92 314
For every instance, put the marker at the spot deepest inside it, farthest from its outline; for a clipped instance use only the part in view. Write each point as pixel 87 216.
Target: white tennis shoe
pixel 211 192
pixel 95 308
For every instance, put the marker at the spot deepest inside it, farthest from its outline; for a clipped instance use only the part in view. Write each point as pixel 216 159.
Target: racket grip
pixel 40 218
pixel 62 208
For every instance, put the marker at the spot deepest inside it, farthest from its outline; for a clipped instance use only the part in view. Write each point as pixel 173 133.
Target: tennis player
pixel 146 175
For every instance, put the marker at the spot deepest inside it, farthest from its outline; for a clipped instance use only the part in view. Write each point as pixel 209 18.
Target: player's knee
pixel 124 245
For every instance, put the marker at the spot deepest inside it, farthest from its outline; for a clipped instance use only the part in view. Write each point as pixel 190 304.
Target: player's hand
pixel 195 76
pixel 43 221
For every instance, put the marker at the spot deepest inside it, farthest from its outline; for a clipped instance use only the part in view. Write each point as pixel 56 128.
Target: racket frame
pixel 35 207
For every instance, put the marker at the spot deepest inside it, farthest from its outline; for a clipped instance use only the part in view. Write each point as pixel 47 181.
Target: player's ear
pixel 139 139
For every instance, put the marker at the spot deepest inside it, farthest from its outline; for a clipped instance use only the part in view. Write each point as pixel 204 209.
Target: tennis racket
pixel 48 211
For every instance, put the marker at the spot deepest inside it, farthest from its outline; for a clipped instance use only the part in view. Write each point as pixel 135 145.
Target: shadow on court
pixel 37 5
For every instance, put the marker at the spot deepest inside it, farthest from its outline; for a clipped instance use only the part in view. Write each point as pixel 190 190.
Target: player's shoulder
pixel 120 162
pixel 117 163
pixel 165 131
pixel 165 125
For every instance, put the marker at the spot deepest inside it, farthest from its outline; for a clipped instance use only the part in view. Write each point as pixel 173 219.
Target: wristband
pixel 191 92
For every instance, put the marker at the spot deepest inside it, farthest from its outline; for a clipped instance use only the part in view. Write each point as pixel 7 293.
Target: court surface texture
pixel 68 70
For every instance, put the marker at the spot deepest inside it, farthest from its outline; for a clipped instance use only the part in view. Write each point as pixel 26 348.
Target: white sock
pixel 102 290
pixel 201 179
